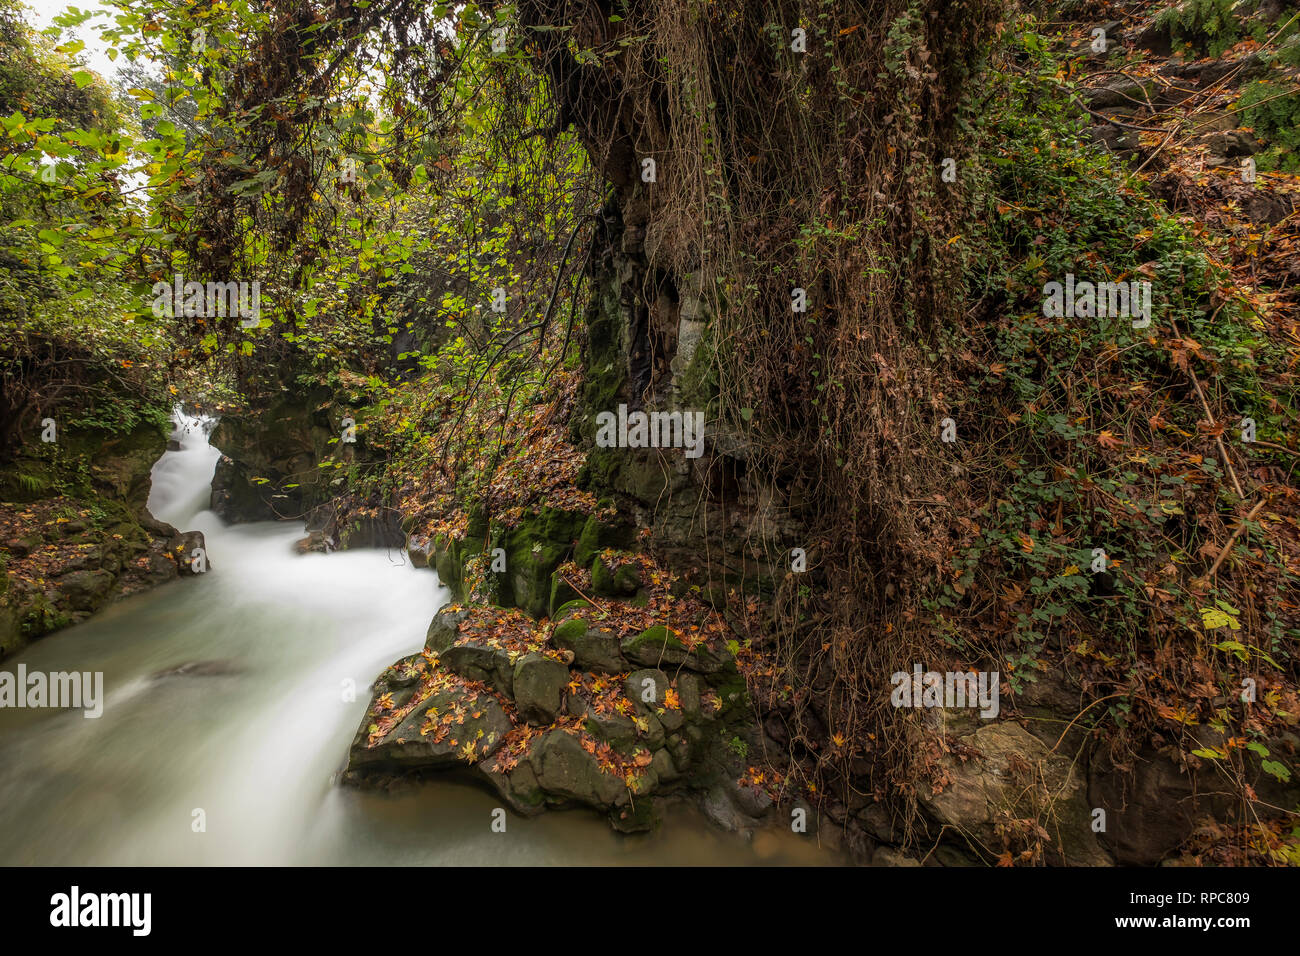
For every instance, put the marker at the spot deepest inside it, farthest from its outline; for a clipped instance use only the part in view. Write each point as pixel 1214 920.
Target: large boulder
pixel 1006 764
pixel 594 649
pixel 480 661
pixel 539 684
pixel 657 646
pixel 452 724
pixel 443 628
pixel 1152 805
pixel 565 769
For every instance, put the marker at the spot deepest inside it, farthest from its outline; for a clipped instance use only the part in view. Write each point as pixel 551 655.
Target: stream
pixel 254 728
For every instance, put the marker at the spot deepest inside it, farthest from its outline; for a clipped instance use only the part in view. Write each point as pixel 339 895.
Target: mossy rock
pixel 657 646
pixel 447 561
pixel 733 693
pixel 563 595
pixel 518 788
pixel 639 817
pixel 476 526
pixel 594 649
pixel 534 549
pixel 606 582
pixel 596 536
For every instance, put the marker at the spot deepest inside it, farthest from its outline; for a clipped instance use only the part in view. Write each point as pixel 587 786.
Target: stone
pixel 405 749
pixel 720 810
pixel 594 649
pixel 656 646
pixel 183 545
pixel 662 764
pixel 85 590
pixel 316 542
pixel 639 817
pixel 564 769
pixel 1152 809
pixel 1123 93
pixel 607 582
pixel 474 660
pixel 636 687
pixel 518 787
pixel 1013 766
pixel 539 685
pixel 442 629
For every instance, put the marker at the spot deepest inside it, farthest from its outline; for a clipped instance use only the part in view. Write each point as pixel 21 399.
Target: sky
pixel 41 14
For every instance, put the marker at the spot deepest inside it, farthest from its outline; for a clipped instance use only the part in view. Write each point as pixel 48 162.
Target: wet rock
pixel 85 590
pixel 639 817
pixel 183 547
pixel 663 766
pixel 404 748
pixel 442 629
pixel 317 542
pixel 539 683
pixel 518 787
pixel 720 810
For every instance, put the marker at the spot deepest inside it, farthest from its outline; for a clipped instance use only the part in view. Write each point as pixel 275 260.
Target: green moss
pixel 569 631
pixel 609 583
pixel 564 597
pixel 656 638
pixel 698 384
pixel 534 549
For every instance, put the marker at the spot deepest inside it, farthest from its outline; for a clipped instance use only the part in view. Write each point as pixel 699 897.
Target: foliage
pixel 1272 110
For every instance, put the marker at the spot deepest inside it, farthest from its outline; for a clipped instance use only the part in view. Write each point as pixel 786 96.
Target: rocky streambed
pixel 588 708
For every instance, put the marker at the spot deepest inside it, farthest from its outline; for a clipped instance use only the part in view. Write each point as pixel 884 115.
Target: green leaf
pixel 1275 769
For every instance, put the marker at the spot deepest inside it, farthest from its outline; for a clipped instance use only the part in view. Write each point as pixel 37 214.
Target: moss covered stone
pixel 594 649
pixel 608 582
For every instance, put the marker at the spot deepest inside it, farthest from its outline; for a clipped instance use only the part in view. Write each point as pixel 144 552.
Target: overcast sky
pixel 41 14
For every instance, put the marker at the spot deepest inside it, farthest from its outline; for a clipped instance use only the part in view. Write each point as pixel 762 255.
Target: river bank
pixel 230 700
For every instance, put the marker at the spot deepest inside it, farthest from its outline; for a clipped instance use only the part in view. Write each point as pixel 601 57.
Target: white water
pixel 257 745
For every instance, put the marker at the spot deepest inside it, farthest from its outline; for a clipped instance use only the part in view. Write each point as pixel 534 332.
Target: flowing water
pixel 250 733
